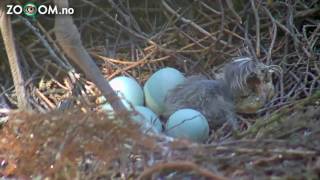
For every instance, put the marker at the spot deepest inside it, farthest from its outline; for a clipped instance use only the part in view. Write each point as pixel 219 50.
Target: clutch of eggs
pixel 188 124
pixel 154 92
pixel 158 85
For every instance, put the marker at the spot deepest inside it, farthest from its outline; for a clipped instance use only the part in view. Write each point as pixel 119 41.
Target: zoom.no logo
pixel 30 9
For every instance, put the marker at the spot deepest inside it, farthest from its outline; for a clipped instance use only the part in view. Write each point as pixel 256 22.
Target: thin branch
pixel 179 166
pixel 273 39
pixel 15 66
pixel 194 25
pixel 257 19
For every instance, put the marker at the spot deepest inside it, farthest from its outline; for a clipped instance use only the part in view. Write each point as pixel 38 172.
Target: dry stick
pixel 46 44
pixel 241 150
pixel 137 63
pixel 179 166
pixel 45 99
pixel 131 22
pixel 256 17
pixel 247 39
pixel 285 29
pixel 15 66
pixel 45 70
pixel 273 39
pixel 222 17
pixel 233 11
pixel 69 39
pixel 210 8
pixel 98 56
pixel 110 60
pixel 193 24
pixel 192 39
pixel 62 62
pixel 120 24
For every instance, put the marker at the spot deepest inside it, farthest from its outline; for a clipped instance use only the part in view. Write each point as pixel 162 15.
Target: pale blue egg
pixel 108 107
pixel 129 89
pixel 148 119
pixel 109 110
pixel 188 124
pixel 157 86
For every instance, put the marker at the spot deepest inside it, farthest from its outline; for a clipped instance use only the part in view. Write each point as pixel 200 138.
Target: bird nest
pixel 136 38
pixel 83 144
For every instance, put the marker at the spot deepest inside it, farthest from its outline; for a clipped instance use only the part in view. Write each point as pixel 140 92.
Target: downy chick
pixel 245 87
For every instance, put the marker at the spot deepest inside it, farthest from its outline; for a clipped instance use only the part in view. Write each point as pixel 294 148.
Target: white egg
pixel 148 119
pixel 189 124
pixel 158 85
pixel 129 89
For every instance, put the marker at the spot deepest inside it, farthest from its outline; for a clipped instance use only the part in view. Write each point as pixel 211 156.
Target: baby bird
pixel 245 87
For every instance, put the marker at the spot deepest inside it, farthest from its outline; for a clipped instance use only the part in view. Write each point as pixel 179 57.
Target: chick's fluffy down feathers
pixel 206 96
pixel 245 87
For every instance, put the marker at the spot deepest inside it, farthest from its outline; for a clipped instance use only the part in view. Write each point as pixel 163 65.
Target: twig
pixel 288 152
pixel 129 20
pixel 45 44
pixel 45 99
pixel 140 62
pixel 120 24
pixel 179 166
pixel 196 26
pixel 256 17
pixel 15 66
pixel 273 39
pixel 248 41
pixel 233 11
pixel 284 28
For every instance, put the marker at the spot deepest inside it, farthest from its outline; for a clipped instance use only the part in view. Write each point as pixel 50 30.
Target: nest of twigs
pixel 136 38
